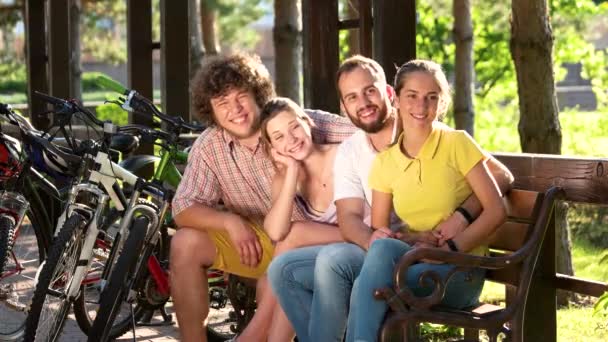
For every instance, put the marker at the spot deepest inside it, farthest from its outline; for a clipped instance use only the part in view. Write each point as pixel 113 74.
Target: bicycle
pixel 121 283
pixel 29 204
pixel 66 274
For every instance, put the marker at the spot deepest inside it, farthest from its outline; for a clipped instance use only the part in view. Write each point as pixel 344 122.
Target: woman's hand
pixel 285 161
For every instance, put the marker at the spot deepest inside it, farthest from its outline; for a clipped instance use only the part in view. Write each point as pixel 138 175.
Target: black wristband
pixel 452 245
pixel 467 216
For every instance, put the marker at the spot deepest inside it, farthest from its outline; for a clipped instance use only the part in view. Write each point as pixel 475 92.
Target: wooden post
pixel 320 23
pixel 59 49
pixel 139 61
pixel 175 58
pixel 36 60
pixel 394 34
pixel 539 318
pixel 365 28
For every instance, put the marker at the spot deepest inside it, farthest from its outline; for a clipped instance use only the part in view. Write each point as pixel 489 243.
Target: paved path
pixel 72 333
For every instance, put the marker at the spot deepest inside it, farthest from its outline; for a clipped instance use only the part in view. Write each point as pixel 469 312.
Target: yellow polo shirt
pixel 428 188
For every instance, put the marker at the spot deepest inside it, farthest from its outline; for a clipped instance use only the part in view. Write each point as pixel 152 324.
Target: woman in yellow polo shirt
pixel 424 177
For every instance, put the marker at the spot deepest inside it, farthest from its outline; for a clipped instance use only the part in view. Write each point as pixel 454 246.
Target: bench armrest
pixel 462 261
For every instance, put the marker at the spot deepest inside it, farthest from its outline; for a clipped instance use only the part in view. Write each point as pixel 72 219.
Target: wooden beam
pixel 139 62
pixel 320 23
pixel 365 28
pixel 585 180
pixel 36 60
pixel 175 58
pixel 59 48
pixel 578 285
pixel 394 33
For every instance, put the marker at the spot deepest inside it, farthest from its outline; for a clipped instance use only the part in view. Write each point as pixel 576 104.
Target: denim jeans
pixel 367 313
pixel 313 286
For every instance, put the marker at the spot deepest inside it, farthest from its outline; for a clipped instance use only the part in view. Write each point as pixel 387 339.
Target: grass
pixel 573 323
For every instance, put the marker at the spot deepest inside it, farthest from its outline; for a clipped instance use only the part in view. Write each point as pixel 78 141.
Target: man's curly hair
pixel 220 74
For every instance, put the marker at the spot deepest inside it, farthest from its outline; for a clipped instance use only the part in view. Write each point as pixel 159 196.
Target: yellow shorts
pixel 227 258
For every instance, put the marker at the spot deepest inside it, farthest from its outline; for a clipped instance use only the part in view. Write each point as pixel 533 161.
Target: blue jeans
pixel 367 313
pixel 313 286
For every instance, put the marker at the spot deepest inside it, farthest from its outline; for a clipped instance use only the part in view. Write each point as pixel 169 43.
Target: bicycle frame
pixel 101 185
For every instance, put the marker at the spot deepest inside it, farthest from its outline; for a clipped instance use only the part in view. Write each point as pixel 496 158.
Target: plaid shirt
pixel 219 168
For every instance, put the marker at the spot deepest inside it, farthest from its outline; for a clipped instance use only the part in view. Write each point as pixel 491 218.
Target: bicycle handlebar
pixel 138 103
pixel 62 106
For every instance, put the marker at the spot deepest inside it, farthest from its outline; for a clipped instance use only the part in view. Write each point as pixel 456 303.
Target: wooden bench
pixel 514 250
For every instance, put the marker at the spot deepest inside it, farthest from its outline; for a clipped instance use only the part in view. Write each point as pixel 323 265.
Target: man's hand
pixel 449 228
pixel 244 240
pixel 380 233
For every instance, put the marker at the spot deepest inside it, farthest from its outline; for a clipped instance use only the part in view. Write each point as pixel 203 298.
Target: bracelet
pixel 467 216
pixel 452 245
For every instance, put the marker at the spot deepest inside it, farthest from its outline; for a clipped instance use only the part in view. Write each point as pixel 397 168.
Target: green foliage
pixel 233 18
pixel 15 80
pixel 112 112
pixel 103 28
pixel 496 87
pixel 437 332
pixel 589 223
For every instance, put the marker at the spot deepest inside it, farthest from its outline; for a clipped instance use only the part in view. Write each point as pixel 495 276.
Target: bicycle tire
pixel 7 231
pixel 118 286
pixel 18 282
pixel 85 305
pixel 64 251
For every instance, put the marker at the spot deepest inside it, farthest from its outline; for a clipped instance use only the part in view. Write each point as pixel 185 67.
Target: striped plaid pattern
pixel 219 168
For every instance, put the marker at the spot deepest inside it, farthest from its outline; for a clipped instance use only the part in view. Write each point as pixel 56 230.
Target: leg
pixel 259 326
pixel 377 272
pixel 191 252
pixel 462 290
pixel 291 277
pixel 337 267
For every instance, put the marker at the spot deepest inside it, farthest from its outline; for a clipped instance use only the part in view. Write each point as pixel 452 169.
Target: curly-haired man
pixel 228 164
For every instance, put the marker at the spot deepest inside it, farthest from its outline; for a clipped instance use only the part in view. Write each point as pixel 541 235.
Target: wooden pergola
pixel 389 37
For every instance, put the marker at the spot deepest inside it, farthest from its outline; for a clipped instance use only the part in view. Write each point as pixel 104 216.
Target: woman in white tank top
pixel 304 177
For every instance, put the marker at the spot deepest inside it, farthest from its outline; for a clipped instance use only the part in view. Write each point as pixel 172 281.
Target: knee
pixel 191 248
pixel 383 248
pixel 343 260
pixel 275 272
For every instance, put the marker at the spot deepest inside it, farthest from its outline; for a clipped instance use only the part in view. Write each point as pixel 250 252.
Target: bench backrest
pixel 523 209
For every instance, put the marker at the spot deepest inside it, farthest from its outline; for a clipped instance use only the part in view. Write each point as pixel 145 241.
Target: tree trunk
pixel 287 35
pixel 209 28
pixel 196 48
pixel 75 65
pixel 531 50
pixel 539 127
pixel 464 115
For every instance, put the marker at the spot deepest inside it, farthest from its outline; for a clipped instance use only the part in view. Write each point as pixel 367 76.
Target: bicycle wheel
pixel 119 285
pixel 87 303
pixel 50 304
pixel 21 252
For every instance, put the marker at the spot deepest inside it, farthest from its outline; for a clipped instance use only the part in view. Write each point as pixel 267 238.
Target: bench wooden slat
pixel 510 236
pixel 520 203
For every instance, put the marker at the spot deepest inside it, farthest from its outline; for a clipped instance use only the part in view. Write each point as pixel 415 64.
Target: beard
pixel 253 130
pixel 374 126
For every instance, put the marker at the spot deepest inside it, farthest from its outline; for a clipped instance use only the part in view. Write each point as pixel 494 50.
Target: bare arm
pixel 278 220
pixel 201 217
pixel 503 179
pixel 351 212
pixel 500 175
pixel 492 215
